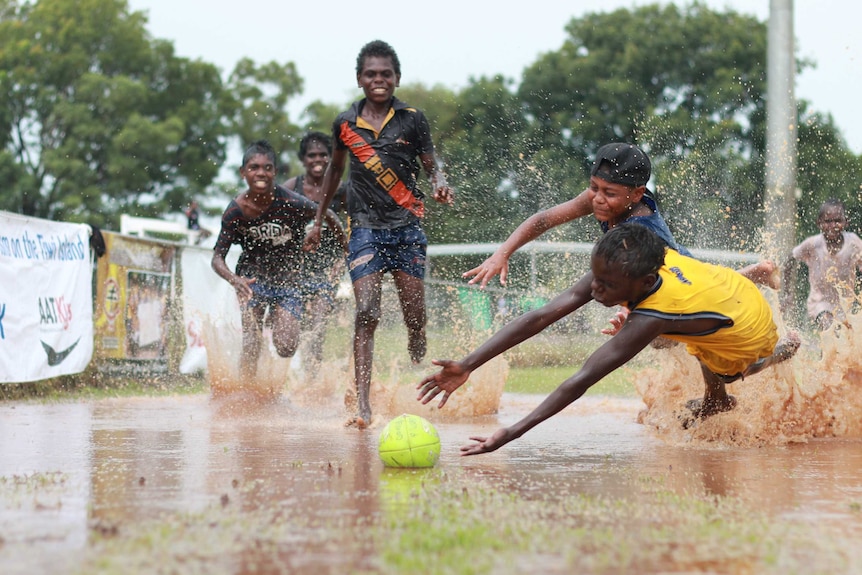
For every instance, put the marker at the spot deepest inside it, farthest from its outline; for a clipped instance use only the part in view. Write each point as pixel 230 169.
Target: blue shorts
pixel 312 289
pixel 400 249
pixel 287 298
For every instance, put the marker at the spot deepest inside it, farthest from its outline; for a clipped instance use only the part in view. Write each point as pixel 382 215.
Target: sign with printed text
pixel 46 298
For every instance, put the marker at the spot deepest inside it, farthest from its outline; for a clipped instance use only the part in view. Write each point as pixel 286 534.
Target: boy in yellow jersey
pixel 721 317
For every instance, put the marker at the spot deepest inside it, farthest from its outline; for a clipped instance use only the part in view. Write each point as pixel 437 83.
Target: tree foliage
pixel 255 103
pixel 98 117
pixel 686 83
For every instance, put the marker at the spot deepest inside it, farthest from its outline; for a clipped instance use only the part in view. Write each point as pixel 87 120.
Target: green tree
pixel 826 169
pixel 686 83
pixel 255 103
pixel 98 118
pixel 478 147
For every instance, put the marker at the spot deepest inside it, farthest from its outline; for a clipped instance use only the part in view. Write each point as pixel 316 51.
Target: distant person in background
pixel 384 138
pixel 324 267
pixel 268 222
pixel 193 220
pixel 193 215
pixel 834 258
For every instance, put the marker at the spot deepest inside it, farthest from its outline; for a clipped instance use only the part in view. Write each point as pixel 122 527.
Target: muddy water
pixel 71 473
pixel 99 467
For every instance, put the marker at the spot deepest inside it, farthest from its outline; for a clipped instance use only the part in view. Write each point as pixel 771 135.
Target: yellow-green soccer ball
pixel 409 441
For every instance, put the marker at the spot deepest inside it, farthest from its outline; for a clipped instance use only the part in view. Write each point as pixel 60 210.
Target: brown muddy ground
pixel 75 471
pixel 74 475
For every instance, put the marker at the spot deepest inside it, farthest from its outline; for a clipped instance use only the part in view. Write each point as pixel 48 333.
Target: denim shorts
pixel 287 298
pixel 399 249
pixel 312 289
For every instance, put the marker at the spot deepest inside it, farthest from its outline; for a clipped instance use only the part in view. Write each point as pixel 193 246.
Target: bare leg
pixel 411 294
pixel 318 313
pixel 367 293
pixel 252 328
pixel 764 273
pixel 784 350
pixel 715 396
pixel 285 332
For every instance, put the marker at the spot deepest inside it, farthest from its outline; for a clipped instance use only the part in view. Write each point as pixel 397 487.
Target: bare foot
pixel 356 421
pixel 703 408
pixel 786 347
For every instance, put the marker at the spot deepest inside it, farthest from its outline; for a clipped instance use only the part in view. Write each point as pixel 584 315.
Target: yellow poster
pixel 133 289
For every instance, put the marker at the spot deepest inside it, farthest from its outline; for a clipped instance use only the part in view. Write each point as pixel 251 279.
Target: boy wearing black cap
pixel 617 194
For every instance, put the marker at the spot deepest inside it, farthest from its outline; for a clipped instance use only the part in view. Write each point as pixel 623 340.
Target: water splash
pixel 818 393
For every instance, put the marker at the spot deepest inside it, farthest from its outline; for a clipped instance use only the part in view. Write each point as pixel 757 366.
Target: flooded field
pixel 235 481
pixel 190 484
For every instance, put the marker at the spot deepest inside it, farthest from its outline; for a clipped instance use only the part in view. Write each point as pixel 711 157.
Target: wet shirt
pixel 654 222
pixel 318 264
pixel 384 167
pixel 831 277
pixel 272 242
pixel 691 289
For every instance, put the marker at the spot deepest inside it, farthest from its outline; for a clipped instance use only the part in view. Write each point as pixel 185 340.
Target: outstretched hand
pixel 486 444
pixel 617 322
pixel 496 264
pixel 312 239
pixel 445 381
pixel 244 293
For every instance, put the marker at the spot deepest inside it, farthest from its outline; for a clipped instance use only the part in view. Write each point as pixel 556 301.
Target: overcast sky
pixel 449 41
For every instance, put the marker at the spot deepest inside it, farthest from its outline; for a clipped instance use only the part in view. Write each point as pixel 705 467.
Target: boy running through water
pixel 268 222
pixel 721 316
pixel 833 257
pixel 324 267
pixel 383 138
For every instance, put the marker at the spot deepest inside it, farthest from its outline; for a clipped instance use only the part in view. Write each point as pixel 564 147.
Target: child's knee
pixel 367 316
pixel 285 347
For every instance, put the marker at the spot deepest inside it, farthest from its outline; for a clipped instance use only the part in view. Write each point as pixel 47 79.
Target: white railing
pixel 145 227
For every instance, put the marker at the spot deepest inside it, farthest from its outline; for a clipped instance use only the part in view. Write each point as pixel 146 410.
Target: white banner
pixel 207 298
pixel 46 298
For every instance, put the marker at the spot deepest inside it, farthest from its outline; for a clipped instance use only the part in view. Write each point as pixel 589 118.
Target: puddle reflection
pixel 103 465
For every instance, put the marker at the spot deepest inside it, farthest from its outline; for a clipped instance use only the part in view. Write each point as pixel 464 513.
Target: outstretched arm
pixel 530 229
pixel 454 374
pixel 636 334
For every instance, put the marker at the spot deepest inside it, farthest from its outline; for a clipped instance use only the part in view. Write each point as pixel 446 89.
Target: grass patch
pixel 459 523
pixel 86 388
pixel 543 380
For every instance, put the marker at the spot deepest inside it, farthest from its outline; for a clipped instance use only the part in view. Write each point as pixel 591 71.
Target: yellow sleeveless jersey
pixel 691 289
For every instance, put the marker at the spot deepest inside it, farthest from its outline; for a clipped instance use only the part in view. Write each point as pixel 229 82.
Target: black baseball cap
pixel 622 163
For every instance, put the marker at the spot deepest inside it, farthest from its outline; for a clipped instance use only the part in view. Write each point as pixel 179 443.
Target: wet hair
pixel 260 147
pixel 380 49
pixel 636 249
pixel 312 137
pixel 831 203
